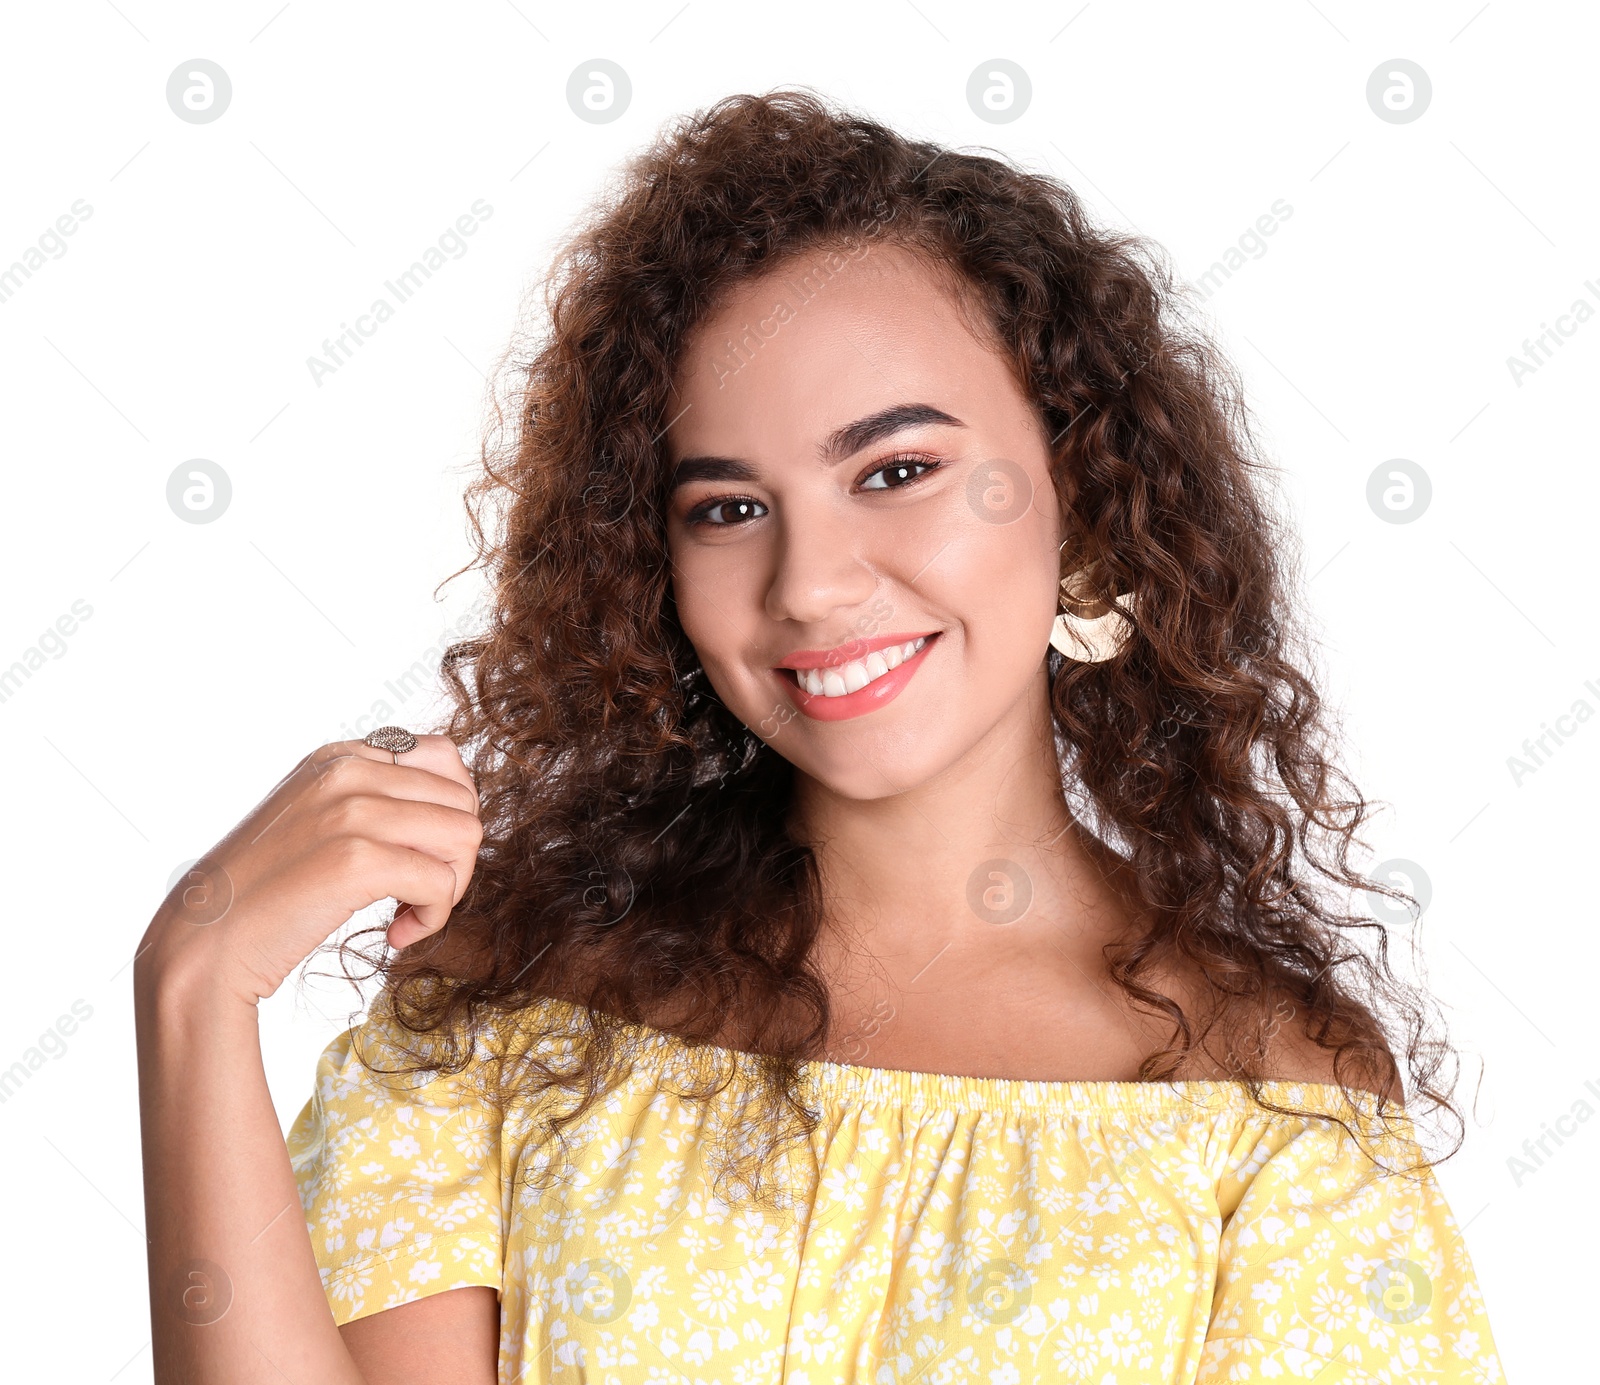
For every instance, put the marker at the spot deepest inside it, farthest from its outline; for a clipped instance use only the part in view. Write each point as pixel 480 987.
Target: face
pixel 863 529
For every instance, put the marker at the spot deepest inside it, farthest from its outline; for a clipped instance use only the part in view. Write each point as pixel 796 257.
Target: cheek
pixel 693 611
pixel 1003 584
pixel 717 612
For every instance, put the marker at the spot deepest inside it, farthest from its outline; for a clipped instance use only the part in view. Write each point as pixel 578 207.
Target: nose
pixel 820 570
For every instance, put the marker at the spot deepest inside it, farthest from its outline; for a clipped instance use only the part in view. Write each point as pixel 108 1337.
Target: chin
pixel 864 763
pixel 860 786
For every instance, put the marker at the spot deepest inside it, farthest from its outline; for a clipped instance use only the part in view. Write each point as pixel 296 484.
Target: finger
pixel 435 753
pixel 406 928
pixel 354 774
pixel 451 835
pixel 441 755
pixel 379 868
pixel 425 775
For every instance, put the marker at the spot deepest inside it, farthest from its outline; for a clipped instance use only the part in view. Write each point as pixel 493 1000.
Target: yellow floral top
pixel 948 1229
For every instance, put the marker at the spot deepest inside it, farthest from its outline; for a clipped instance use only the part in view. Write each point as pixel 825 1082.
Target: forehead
pixel 824 338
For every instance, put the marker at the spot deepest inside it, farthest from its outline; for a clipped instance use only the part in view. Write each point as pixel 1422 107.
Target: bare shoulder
pixel 1274 1041
pixel 1293 1055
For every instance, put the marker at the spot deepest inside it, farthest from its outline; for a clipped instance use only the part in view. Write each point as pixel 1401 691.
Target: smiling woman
pixel 925 690
pixel 881 507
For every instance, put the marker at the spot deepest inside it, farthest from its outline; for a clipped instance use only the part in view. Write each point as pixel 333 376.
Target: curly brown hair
pixel 635 859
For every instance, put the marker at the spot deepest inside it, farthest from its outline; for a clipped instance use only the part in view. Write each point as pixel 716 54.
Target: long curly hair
pixel 635 860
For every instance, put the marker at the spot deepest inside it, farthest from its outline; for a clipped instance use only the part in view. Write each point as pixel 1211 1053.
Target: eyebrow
pixel 844 442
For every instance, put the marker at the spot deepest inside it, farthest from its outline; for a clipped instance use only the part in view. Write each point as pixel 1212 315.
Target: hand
pixel 345 828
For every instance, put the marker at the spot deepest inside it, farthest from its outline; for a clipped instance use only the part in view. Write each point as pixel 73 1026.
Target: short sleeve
pixel 1333 1268
pixel 399 1174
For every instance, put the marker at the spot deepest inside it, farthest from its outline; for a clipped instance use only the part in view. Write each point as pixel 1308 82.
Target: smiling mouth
pixel 845 679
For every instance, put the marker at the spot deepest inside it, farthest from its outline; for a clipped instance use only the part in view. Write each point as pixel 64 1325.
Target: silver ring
pixel 395 739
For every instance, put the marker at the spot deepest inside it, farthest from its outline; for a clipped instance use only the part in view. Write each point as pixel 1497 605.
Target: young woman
pixel 893 920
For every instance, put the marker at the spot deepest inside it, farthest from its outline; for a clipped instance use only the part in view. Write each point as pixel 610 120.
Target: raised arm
pixel 236 1296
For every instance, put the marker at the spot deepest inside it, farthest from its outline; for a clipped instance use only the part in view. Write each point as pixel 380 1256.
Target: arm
pixel 236 1293
pixel 451 1338
pixel 219 1188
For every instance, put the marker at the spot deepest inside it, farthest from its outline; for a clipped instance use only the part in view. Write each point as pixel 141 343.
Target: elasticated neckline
pixel 852 1084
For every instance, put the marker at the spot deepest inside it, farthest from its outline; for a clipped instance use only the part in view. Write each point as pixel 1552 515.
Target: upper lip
pixel 854 649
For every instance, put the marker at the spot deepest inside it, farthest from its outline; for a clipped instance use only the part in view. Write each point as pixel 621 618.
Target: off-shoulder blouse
pixel 946 1228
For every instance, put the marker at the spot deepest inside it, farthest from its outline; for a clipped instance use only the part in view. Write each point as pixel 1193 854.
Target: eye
pixel 700 515
pixel 898 465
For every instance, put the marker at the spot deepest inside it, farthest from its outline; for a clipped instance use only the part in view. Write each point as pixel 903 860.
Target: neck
pixel 983 860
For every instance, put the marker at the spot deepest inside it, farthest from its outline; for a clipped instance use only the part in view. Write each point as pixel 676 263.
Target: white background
pixel 1419 257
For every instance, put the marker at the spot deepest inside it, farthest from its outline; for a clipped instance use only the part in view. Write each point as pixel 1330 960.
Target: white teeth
pixel 852 677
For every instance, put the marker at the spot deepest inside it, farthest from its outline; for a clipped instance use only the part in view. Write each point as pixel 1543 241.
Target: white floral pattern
pixel 951 1229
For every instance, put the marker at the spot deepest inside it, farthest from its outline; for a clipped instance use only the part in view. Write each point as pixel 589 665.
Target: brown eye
pixel 700 515
pixel 900 466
